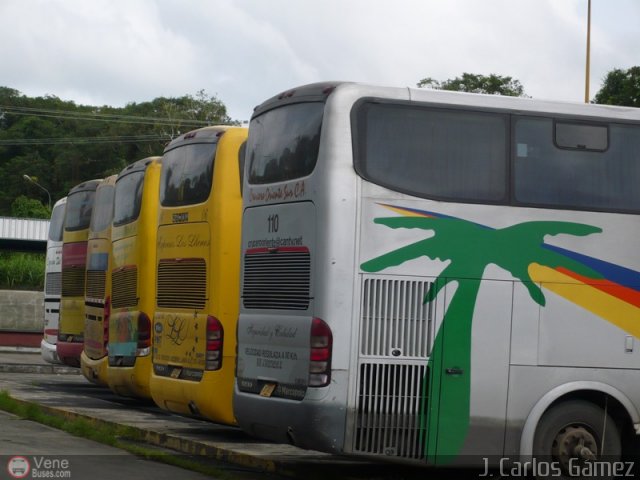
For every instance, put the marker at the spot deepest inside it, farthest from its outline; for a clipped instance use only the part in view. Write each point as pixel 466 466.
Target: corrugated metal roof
pixel 24 229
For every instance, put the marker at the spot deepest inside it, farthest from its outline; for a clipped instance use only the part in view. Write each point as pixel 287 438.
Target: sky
pixel 114 52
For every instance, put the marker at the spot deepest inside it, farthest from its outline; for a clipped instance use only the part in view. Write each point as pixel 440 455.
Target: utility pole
pixel 586 78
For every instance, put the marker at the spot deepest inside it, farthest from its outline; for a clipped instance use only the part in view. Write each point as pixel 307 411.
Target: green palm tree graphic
pixel 470 248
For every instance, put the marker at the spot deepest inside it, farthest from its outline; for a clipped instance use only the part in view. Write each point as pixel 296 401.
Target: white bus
pixel 441 277
pixel 53 283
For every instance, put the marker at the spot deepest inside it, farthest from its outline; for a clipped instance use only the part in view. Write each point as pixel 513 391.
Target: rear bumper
pixel 95 371
pixel 312 423
pixel 48 352
pixel 69 353
pixel 131 381
pixel 211 397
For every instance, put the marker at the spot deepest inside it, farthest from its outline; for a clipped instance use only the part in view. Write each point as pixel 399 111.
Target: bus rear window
pixel 128 198
pixel 187 174
pixel 283 143
pixel 55 225
pixel 103 209
pixel 79 207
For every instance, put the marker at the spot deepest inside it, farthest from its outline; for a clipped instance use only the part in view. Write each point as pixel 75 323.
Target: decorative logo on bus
pixel 612 292
pixel 281 193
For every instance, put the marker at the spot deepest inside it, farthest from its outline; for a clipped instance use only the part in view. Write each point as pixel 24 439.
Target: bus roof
pixel 88 185
pixel 138 165
pixel 201 135
pixel 321 91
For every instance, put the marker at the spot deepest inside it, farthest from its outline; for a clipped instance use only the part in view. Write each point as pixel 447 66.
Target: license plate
pixel 267 389
pixel 175 373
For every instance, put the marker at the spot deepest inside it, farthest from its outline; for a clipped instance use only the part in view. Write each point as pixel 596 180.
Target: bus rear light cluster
pixel 144 335
pixel 215 336
pixel 320 357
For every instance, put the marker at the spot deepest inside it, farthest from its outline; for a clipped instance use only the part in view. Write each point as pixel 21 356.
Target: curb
pixel 47 369
pixel 307 467
pixel 18 349
pixel 178 444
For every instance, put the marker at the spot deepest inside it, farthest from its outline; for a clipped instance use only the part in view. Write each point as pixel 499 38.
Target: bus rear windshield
pixel 128 198
pixel 55 225
pixel 187 174
pixel 79 207
pixel 283 143
pixel 103 209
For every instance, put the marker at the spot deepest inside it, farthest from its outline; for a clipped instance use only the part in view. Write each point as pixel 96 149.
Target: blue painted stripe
pixel 612 272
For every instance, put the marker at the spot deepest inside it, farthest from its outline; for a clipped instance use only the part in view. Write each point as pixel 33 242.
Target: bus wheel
pixel 572 435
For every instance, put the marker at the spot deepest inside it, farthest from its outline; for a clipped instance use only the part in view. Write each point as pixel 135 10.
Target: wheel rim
pixel 576 442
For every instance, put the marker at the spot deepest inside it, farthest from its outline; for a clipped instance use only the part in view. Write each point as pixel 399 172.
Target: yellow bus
pixel 133 236
pixel 198 273
pixel 74 254
pixel 97 296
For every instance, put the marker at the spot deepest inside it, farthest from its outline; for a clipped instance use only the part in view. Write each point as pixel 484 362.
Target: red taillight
pixel 215 337
pixel 321 343
pixel 105 322
pixel 144 334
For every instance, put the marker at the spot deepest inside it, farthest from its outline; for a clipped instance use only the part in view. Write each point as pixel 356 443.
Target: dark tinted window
pixel 444 154
pixel 581 136
pixel 56 222
pixel 103 208
pixel 242 152
pixel 78 212
pixel 283 143
pixel 128 198
pixel 578 178
pixel 187 174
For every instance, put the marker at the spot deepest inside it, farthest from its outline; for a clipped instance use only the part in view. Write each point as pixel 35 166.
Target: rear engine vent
pixel 277 278
pixel 124 286
pixel 182 283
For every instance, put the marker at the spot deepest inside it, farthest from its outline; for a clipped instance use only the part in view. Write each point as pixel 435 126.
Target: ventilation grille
pixel 53 283
pixel 278 279
pixel 395 320
pixel 124 286
pixel 182 283
pixel 389 418
pixel 95 283
pixel 73 281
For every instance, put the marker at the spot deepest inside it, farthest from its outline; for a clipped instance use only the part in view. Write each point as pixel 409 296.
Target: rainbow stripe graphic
pixel 613 295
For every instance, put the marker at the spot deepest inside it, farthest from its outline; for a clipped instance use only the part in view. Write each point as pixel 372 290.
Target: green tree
pixel 25 207
pixel 620 87
pixel 65 143
pixel 473 83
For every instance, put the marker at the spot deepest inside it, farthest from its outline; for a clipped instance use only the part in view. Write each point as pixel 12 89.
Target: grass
pixel 22 270
pixel 119 436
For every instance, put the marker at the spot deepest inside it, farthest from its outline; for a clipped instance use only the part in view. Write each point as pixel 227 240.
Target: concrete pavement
pixel 49 453
pixel 28 360
pixel 72 396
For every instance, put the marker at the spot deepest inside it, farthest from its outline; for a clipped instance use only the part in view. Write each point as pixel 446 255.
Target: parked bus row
pixel 423 276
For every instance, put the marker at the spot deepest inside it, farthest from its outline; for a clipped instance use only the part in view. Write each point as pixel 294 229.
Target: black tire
pixel 572 426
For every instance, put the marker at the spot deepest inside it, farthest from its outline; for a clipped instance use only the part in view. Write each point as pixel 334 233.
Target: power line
pixel 85 140
pixel 97 116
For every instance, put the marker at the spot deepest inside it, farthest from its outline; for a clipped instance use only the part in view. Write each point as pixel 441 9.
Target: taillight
pixel 144 335
pixel 320 358
pixel 215 336
pixel 105 323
